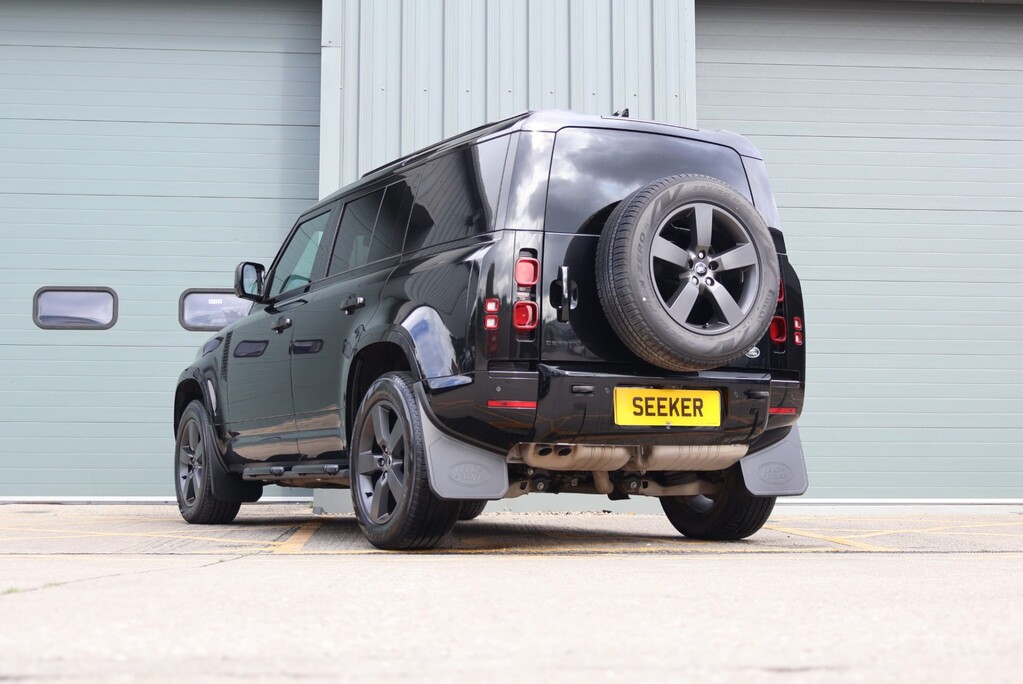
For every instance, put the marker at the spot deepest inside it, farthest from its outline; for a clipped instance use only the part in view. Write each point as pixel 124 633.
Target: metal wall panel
pixel 892 132
pixel 147 147
pixel 415 72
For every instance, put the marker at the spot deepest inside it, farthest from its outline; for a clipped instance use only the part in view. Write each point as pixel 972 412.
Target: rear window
pixel 594 169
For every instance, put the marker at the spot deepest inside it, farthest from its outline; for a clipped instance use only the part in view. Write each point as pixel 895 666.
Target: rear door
pixel 591 172
pixel 339 311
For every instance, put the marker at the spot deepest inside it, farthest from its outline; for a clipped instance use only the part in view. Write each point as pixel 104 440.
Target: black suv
pixel 549 303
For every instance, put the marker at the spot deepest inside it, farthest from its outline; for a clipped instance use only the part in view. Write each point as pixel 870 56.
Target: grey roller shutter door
pixel 146 147
pixel 894 135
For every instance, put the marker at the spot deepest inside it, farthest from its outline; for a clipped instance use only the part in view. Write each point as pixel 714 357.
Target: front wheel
pixel 390 488
pixel 193 470
pixel 728 514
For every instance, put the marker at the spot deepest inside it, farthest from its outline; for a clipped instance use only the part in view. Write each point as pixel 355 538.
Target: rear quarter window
pixel 593 169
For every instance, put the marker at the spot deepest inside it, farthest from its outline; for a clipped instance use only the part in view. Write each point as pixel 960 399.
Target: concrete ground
pixel 853 594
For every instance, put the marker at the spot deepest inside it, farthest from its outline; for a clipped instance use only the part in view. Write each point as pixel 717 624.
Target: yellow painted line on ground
pixel 844 541
pixel 297 541
pixel 83 534
pixel 943 529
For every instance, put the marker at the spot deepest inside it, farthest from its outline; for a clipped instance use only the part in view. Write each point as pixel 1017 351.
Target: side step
pixel 315 475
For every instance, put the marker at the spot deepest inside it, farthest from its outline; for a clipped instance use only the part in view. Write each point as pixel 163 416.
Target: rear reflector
pixel 525 315
pixel 494 403
pixel 490 322
pixel 781 411
pixel 779 331
pixel 527 272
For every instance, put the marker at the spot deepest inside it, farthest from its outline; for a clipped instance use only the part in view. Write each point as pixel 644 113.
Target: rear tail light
pixel 525 315
pixel 492 306
pixel 491 322
pixel 797 338
pixel 527 272
pixel 797 323
pixel 779 330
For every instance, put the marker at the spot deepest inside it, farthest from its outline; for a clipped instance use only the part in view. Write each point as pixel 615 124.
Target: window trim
pixel 73 288
pixel 196 290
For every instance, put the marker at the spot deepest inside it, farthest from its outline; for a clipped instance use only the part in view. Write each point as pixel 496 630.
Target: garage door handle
pixel 352 303
pixel 282 324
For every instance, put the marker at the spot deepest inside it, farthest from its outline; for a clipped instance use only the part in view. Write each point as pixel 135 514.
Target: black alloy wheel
pixel 391 494
pixel 192 453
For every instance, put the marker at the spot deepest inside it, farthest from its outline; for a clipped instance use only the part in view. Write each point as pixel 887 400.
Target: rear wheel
pixel 193 470
pixel 728 514
pixel 390 488
pixel 472 509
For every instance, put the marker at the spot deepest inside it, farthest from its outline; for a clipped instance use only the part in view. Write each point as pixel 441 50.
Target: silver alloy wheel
pixel 705 268
pixel 191 458
pixel 380 463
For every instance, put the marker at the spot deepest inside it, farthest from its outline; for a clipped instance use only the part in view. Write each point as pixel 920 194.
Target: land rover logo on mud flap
pixel 775 473
pixel 469 474
pixel 753 353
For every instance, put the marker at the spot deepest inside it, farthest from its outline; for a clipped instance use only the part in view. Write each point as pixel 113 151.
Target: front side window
pixel 75 308
pixel 210 309
pixel 295 267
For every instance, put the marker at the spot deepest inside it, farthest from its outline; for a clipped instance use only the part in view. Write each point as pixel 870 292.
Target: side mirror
pixel 248 281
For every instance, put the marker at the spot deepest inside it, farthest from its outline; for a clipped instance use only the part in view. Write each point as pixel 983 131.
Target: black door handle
pixel 352 303
pixel 282 324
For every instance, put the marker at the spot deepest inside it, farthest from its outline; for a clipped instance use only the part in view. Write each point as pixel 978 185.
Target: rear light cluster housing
pixel 525 309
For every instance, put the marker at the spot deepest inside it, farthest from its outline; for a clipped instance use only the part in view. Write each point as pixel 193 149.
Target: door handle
pixel 352 303
pixel 282 324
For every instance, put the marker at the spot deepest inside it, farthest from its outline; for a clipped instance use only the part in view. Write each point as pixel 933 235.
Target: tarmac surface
pixel 112 593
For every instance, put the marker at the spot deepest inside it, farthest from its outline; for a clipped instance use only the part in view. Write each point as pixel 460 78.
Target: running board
pixel 315 475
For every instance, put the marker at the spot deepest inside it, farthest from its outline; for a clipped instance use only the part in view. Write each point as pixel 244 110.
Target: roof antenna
pixel 622 113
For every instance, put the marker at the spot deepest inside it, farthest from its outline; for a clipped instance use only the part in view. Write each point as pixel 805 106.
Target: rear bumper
pixel 574 405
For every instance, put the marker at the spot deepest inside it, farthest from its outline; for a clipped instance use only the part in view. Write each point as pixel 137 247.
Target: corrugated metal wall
pixel 147 147
pixel 893 134
pixel 412 73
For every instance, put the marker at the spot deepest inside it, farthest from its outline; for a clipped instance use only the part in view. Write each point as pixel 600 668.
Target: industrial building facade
pixel 146 148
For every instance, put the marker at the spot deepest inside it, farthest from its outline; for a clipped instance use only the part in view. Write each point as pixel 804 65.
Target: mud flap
pixel 778 470
pixel 458 470
pixel 228 486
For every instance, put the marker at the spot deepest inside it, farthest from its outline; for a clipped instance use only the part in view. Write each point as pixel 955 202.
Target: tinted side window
pixel 295 267
pixel 457 195
pixel 352 247
pixel 594 169
pixel 392 221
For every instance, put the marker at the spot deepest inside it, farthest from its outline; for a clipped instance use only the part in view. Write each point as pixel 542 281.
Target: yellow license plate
pixel 640 406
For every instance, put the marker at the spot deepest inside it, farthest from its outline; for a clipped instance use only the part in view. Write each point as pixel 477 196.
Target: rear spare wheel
pixel 687 273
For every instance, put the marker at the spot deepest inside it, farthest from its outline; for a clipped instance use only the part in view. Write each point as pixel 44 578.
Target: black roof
pixel 551 120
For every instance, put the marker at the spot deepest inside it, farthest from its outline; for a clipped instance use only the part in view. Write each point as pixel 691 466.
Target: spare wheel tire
pixel 687 273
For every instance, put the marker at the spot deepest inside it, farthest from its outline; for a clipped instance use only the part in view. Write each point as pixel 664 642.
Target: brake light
pixel 525 315
pixel 527 272
pixel 779 331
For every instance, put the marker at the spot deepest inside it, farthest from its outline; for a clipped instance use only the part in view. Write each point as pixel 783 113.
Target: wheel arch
pixel 389 353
